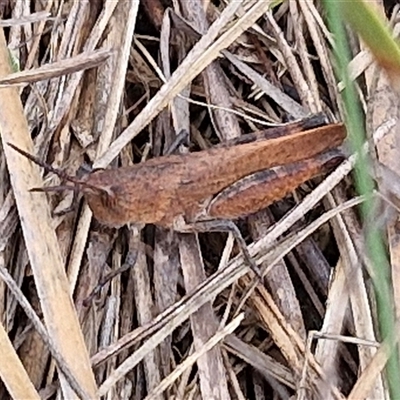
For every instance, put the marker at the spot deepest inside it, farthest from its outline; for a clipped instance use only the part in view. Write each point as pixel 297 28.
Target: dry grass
pixel 112 84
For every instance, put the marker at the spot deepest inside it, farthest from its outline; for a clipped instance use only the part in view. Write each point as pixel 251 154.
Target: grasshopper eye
pixel 108 198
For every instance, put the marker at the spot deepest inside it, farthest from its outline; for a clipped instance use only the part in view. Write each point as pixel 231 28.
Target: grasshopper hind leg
pixel 218 225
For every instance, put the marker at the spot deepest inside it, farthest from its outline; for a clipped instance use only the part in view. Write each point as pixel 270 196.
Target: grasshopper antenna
pixel 59 172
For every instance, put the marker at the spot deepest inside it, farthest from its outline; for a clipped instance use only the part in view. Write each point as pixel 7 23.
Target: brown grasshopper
pixel 196 191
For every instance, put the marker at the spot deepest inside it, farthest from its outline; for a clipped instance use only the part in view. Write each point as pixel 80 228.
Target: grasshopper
pixel 206 190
